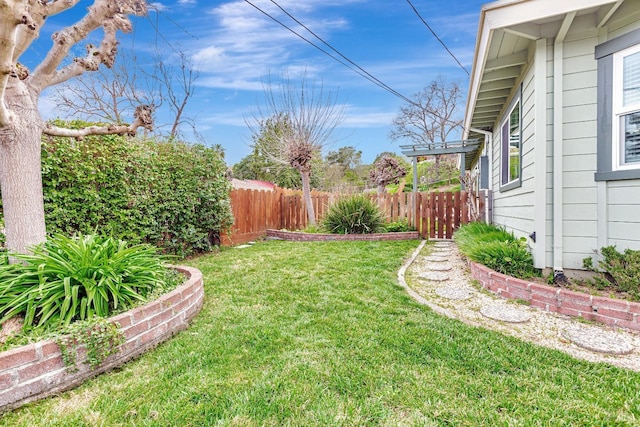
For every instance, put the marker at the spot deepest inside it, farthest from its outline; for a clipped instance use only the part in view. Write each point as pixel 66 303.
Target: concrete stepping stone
pixel 447 254
pixel 434 276
pixel 442 246
pixel 439 266
pixel 505 313
pixel 598 340
pixel 454 293
pixel 243 246
pixel 433 258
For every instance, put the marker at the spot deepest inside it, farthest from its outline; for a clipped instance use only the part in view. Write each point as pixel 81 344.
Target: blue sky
pixel 235 47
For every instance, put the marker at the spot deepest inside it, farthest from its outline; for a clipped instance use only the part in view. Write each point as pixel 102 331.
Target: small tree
pixel 299 121
pixel 431 117
pixel 386 170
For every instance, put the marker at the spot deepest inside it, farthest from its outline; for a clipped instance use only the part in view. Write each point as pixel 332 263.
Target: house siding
pixel 580 196
pixel 594 213
pixel 623 197
pixel 514 208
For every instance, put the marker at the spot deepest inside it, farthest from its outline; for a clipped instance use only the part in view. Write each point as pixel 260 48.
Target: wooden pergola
pixel 467 148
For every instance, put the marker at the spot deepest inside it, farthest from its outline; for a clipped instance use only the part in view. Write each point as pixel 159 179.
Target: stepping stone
pixel 442 245
pixel 432 258
pixel 453 293
pixel 598 340
pixel 434 276
pixel 243 246
pixel 442 253
pixel 439 266
pixel 505 313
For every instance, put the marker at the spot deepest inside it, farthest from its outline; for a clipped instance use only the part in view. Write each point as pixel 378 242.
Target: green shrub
pixel 397 226
pixel 169 194
pixel 75 279
pixel 496 248
pixel 354 215
pixel 618 270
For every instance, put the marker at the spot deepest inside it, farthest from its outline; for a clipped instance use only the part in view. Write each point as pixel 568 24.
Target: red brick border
pixel 298 236
pixel 610 311
pixel 35 371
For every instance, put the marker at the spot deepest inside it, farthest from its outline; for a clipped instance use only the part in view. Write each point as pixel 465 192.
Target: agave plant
pixel 67 279
pixel 354 215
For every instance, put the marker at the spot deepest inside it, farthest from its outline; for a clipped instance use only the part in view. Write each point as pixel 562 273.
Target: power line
pixel 436 36
pixel 358 70
pixel 373 79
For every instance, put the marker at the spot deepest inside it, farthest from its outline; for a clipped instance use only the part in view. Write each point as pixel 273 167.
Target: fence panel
pixel 434 215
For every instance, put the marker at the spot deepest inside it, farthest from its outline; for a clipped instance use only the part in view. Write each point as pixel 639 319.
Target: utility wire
pixel 436 36
pixel 371 78
pixel 358 70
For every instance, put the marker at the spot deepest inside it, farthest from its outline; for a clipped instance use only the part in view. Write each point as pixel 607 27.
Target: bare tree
pixel 21 126
pixel 112 94
pixel 386 170
pixel 177 84
pixel 432 116
pixel 305 118
pixel 108 95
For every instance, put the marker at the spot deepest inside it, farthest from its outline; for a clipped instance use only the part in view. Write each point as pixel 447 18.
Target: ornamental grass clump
pixel 67 279
pixel 354 215
pixel 497 249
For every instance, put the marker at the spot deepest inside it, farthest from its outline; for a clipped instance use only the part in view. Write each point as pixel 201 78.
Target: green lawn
pixel 306 334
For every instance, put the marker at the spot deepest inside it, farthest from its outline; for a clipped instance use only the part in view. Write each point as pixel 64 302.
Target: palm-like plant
pixel 66 279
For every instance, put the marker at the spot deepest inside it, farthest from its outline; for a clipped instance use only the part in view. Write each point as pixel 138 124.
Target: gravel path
pixel 452 293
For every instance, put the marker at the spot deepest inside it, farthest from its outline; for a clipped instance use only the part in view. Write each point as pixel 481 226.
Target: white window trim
pixel 618 110
pixel 516 182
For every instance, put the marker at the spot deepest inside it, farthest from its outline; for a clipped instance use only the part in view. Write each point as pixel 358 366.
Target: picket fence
pixel 433 214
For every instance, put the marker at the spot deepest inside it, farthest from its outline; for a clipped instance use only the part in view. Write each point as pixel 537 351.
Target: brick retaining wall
pixel 322 237
pixel 35 371
pixel 610 311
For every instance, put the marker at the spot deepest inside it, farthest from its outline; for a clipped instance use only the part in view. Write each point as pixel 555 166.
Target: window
pixel 619 108
pixel 626 108
pixel 511 141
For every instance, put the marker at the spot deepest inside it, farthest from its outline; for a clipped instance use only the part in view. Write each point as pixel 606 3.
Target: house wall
pixel 579 100
pixel 514 208
pixel 622 198
pixel 584 232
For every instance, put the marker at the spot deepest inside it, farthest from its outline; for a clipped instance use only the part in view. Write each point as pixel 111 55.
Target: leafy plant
pixel 314 229
pixel 618 270
pixel 496 248
pixel 67 279
pixel 397 226
pixel 100 337
pixel 354 215
pixel 169 194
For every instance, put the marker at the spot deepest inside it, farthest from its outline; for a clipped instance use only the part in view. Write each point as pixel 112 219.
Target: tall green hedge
pixel 169 194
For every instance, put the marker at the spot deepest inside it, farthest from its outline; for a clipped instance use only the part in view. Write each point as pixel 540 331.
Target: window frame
pixel 619 110
pixel 505 158
pixel 608 147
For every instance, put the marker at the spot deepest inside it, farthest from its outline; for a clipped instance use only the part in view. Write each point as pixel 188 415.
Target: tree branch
pixel 142 117
pixel 109 14
pixel 34 13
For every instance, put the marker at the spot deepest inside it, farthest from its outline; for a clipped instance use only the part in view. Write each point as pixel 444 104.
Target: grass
pixel 307 334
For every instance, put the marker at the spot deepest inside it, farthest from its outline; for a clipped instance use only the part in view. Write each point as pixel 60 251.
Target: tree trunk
pixel 21 175
pixel 382 188
pixel 306 192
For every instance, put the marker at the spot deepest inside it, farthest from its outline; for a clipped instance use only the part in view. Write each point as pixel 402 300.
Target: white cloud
pixel 157 7
pixel 245 45
pixel 367 118
pixel 187 2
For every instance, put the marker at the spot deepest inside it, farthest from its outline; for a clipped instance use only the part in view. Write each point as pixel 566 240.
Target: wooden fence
pixel 434 214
